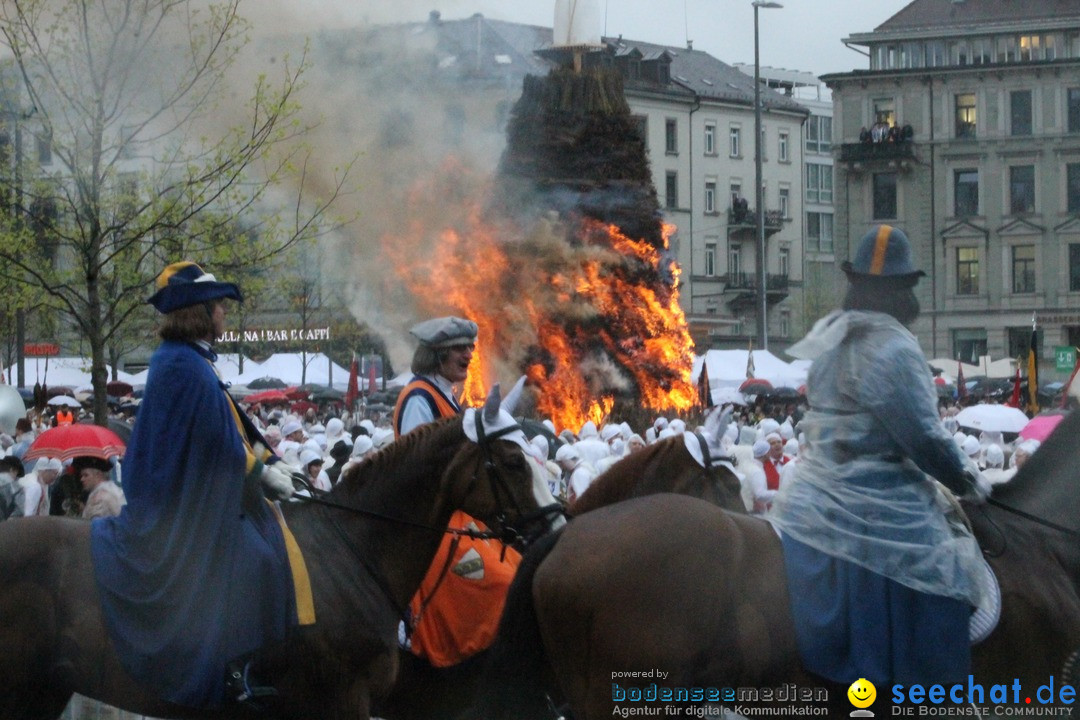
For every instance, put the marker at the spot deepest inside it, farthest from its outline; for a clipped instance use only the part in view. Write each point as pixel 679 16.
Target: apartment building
pixel 965 132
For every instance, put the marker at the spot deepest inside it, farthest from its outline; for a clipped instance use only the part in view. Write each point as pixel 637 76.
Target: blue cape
pixel 193 573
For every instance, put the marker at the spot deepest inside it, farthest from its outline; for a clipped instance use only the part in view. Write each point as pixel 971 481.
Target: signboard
pixel 1064 358
pixel 49 350
pixel 271 335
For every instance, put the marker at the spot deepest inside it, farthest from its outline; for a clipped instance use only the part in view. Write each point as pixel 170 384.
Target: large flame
pixel 588 318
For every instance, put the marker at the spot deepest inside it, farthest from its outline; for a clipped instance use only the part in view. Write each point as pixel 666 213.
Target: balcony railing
pixel 737 282
pixel 747 218
pixel 869 152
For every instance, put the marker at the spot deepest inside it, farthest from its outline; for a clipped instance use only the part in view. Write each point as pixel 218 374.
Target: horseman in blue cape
pixel 882 583
pixel 199 568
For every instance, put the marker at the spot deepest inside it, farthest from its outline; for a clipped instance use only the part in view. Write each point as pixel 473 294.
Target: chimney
pixel 434 17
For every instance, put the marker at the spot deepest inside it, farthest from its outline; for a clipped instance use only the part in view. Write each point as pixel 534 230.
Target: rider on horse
pixel 881 585
pixel 455 613
pixel 197 569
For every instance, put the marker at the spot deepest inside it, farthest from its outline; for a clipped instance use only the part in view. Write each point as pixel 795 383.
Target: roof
pixel 706 76
pixel 950 16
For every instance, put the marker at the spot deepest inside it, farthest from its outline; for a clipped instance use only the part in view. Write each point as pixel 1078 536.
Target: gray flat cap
pixel 445 332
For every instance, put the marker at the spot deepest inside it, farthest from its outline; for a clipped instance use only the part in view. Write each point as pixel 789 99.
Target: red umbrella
pixel 266 396
pixel 1040 427
pixel 119 388
pixel 755 386
pixel 76 440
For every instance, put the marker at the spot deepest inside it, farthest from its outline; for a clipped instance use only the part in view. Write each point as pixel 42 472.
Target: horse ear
pixel 510 402
pixel 717 421
pixel 491 405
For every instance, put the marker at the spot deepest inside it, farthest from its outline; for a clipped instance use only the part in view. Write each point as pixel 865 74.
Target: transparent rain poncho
pixel 861 491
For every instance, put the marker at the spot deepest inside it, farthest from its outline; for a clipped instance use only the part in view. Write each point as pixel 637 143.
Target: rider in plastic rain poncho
pixel 882 587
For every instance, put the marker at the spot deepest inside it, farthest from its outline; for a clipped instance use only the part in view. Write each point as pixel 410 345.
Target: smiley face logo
pixel 862 693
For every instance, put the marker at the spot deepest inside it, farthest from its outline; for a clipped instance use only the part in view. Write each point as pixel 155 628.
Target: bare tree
pixel 153 157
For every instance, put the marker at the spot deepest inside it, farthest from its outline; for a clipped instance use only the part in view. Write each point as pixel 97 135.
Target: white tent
pixel 289 368
pixel 72 372
pixel 228 364
pixel 727 368
pixel 1002 368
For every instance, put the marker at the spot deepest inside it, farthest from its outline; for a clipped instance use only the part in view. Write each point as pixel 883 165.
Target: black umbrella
pixel 267 383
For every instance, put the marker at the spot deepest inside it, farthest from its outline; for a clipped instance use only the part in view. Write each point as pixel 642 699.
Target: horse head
pixel 497 482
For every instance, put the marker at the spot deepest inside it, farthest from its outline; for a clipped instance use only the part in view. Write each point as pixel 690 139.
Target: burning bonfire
pixel 565 266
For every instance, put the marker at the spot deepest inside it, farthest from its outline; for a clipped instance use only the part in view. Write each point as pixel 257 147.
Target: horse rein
pixel 1033 518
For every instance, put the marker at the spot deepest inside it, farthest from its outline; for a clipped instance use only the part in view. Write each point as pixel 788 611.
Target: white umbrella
pixel 64 400
pixel 992 417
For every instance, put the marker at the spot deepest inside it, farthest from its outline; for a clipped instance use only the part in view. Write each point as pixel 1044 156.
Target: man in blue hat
pixel 194 571
pixel 882 587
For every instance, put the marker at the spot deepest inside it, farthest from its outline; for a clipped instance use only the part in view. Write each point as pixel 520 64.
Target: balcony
pixel 742 222
pixel 880 153
pixel 740 290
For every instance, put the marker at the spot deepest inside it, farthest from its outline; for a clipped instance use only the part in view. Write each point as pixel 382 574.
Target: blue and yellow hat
pixel 883 252
pixel 184 283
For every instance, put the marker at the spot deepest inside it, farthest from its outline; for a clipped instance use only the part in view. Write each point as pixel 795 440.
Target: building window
pixel 710 196
pixel 1022 189
pixel 819 232
pixel 1074 267
pixel 710 259
pixel 885 206
pixel 1074 109
pixel 982 51
pixel 969 344
pixel 671 190
pixel 785 202
pixel 1020 341
pixel 1020 112
pixel 965 115
pixel 671 136
pixel 784 259
pixel 825 135
pixel 735 140
pixel 44 148
pixel 1072 187
pixel 736 194
pixel 935 53
pixel 782 151
pixel 885 111
pixel 966 192
pixel 967 271
pixel 1006 49
pixel 734 260
pixel 710 138
pixel 641 125
pixel 1023 268
pixel 1031 47
pixel 785 323
pixel 819 183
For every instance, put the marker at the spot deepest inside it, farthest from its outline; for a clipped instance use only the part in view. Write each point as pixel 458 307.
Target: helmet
pixel 885 251
pixel 184 283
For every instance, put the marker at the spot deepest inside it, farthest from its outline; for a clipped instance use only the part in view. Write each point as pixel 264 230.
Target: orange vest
pixel 64 417
pixel 455 617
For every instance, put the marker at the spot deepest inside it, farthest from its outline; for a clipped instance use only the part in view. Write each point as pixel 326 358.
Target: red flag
pixel 353 393
pixel 371 379
pixel 1014 400
pixel 1033 372
pixel 961 388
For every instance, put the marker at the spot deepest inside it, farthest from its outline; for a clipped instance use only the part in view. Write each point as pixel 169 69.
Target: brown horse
pixel 364 567
pixel 423 692
pixel 668 583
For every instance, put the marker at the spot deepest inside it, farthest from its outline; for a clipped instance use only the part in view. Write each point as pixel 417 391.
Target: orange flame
pixel 579 317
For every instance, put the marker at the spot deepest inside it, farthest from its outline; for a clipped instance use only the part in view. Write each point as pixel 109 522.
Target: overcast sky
pixel 803 35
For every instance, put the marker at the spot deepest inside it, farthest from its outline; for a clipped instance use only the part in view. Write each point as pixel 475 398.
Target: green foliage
pixel 151 159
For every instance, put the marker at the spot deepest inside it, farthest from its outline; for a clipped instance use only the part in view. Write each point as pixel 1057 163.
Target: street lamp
pixel 762 332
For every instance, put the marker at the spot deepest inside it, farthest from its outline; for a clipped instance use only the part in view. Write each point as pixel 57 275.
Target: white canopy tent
pixel 72 372
pixel 289 368
pixel 727 369
pixel 1002 368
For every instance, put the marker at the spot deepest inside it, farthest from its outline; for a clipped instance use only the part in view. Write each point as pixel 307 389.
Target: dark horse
pixel 423 692
pixel 363 567
pixel 673 584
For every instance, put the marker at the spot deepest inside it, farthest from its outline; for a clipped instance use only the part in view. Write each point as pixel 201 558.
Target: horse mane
pixel 385 466
pixel 621 480
pixel 1046 484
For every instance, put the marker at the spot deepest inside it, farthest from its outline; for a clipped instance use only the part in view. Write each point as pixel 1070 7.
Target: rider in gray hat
pixel 882 587
pixel 440 361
